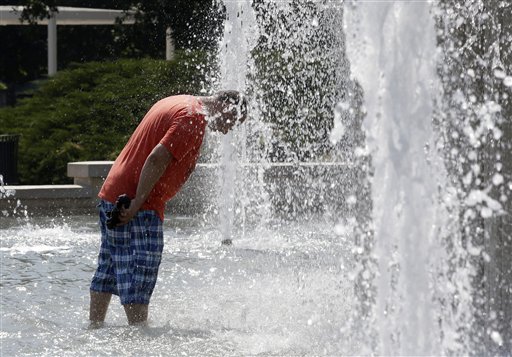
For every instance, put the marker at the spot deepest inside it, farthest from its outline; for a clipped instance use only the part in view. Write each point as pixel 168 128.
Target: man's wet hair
pixel 233 97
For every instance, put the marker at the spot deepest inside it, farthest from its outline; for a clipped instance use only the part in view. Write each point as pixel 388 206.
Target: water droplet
pixel 496 337
pixel 497 179
pixel 499 74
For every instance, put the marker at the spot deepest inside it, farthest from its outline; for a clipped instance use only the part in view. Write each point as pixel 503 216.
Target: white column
pixel 52 46
pixel 169 45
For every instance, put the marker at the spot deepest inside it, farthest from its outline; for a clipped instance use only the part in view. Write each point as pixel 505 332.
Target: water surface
pixel 283 289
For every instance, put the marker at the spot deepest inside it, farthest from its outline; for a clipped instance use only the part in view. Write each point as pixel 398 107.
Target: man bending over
pixel 155 163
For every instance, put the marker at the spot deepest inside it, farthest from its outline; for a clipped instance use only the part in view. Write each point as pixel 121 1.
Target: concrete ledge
pixel 50 191
pixel 291 190
pixel 79 198
pixel 89 174
pixel 89 168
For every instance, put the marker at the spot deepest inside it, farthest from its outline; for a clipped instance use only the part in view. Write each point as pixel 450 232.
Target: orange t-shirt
pixel 176 122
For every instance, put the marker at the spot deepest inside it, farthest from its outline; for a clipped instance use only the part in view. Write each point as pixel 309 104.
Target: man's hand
pixel 153 168
pixel 128 213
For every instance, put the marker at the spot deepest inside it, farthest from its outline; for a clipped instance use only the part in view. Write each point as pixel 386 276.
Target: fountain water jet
pixel 234 57
pixel 298 286
pixel 393 52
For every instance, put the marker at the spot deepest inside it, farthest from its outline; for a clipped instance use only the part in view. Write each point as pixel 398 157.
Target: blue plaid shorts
pixel 129 256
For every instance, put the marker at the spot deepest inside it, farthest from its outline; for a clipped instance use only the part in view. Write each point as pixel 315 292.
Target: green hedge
pixel 89 111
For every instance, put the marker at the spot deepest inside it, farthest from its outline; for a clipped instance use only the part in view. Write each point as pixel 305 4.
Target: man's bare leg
pixel 98 308
pixel 137 314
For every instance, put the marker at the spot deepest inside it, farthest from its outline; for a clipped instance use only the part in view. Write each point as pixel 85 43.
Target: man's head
pixel 226 108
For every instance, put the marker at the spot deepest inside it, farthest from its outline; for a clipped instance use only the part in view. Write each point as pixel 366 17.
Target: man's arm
pixel 153 169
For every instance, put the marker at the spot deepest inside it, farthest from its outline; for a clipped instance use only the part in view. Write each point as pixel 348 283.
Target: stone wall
pixel 282 191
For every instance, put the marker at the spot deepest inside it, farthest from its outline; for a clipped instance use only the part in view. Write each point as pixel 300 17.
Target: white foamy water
pixel 305 287
pixel 234 59
pixel 393 53
pixel 279 291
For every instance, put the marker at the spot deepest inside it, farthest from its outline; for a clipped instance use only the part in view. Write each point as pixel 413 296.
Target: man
pixel 157 160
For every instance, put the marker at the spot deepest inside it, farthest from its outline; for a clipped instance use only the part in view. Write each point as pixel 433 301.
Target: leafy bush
pixel 298 77
pixel 89 111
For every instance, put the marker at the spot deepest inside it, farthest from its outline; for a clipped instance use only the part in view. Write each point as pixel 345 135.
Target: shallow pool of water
pixel 279 290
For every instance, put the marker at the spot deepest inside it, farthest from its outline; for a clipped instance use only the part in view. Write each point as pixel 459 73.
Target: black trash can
pixel 9 158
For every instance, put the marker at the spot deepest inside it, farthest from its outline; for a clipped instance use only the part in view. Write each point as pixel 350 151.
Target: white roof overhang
pixel 10 15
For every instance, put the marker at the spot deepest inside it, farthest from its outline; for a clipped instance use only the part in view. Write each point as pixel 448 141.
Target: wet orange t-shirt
pixel 179 124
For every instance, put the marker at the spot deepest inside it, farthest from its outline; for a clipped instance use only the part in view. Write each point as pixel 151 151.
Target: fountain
pixel 234 54
pixel 416 281
pixel 363 205
pixel 391 47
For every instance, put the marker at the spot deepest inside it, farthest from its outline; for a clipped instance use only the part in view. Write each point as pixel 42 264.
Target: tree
pixel 195 25
pixel 299 75
pixel 88 112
